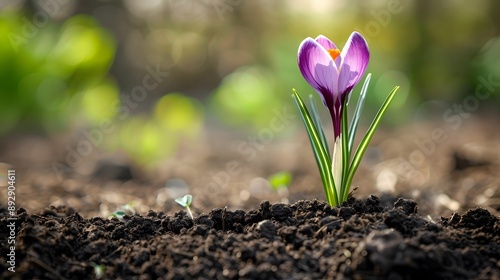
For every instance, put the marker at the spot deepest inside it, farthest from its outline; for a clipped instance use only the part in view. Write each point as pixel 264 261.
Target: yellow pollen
pixel 334 53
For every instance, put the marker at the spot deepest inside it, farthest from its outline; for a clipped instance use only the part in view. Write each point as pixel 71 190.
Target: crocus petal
pixel 328 45
pixel 345 78
pixel 356 55
pixel 325 42
pixel 318 69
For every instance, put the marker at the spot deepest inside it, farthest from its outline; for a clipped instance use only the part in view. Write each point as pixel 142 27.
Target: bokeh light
pixel 179 115
pixel 72 66
pixel 246 97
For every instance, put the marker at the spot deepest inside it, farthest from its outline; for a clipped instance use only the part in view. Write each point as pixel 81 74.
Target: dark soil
pixel 364 239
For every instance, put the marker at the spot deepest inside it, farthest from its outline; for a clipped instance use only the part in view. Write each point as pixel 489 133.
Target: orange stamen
pixel 334 53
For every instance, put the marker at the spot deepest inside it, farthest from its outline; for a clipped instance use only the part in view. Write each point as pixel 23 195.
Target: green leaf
pixel 118 214
pixel 366 139
pixel 357 111
pixel 98 270
pixel 185 201
pixel 317 123
pixel 322 157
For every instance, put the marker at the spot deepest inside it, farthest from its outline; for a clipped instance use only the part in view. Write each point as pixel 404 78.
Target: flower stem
pixel 346 154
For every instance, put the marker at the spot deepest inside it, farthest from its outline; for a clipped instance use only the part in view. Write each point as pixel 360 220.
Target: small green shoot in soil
pixel 98 270
pixel 118 214
pixel 123 210
pixel 185 202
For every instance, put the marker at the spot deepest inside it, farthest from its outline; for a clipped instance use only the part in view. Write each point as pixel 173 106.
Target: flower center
pixel 334 53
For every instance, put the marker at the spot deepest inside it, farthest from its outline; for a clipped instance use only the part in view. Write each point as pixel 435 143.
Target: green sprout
pixel 118 214
pixel 185 202
pixel 124 210
pixel 98 270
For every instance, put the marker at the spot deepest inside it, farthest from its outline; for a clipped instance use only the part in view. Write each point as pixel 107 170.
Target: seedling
pixel 333 74
pixel 98 270
pixel 185 202
pixel 118 214
pixel 124 210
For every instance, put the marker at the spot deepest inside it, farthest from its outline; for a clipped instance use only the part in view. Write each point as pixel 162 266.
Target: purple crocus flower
pixel 333 73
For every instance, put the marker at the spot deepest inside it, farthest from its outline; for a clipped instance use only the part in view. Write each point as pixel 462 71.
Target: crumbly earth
pixel 375 238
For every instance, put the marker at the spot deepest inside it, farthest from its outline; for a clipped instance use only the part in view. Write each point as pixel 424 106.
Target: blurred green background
pixel 154 75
